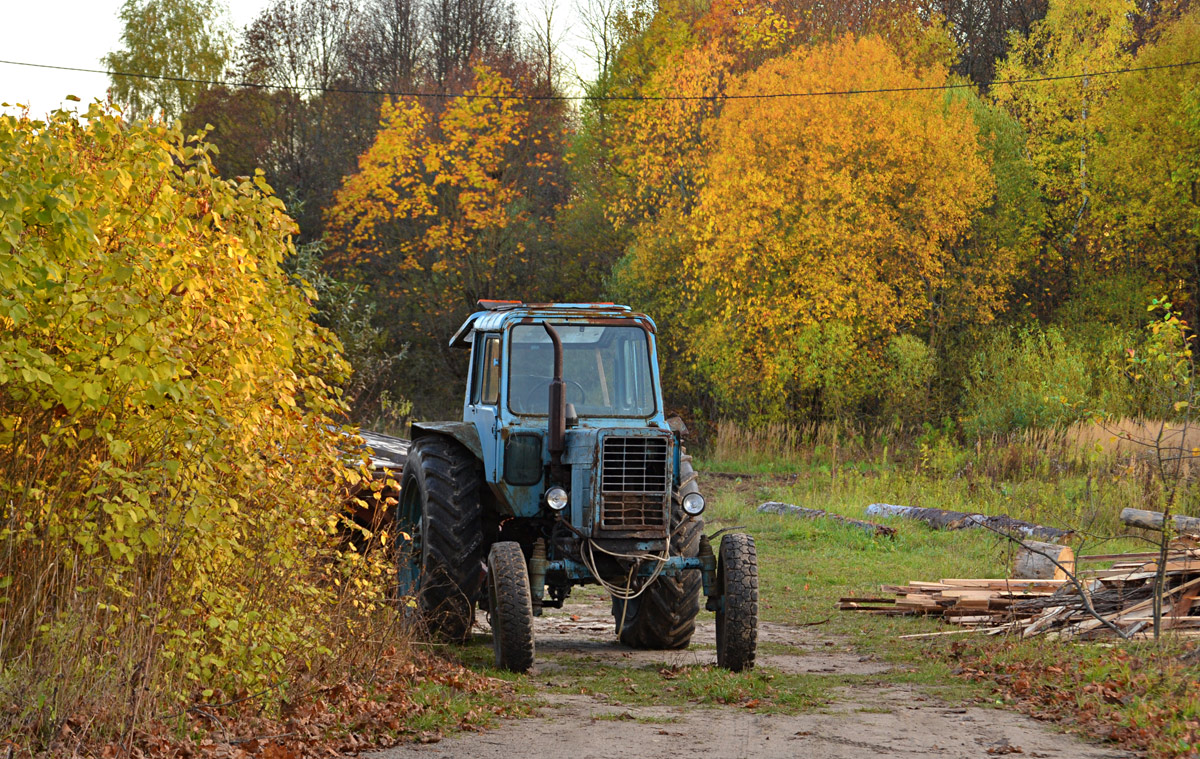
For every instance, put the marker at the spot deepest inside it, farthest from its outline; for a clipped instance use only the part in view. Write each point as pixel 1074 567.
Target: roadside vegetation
pixel 173 562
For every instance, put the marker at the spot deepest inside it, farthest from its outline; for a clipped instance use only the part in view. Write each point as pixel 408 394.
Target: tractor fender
pixel 463 432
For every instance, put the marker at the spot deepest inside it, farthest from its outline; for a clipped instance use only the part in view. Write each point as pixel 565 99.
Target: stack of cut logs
pixel 1058 600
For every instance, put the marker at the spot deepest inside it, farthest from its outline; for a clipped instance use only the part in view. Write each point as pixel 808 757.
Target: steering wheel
pixel 544 389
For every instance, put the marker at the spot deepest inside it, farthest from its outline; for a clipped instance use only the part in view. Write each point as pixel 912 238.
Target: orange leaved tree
pixel 825 223
pixel 818 229
pixel 445 209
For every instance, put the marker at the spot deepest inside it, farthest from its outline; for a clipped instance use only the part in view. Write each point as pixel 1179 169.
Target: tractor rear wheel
pixel 664 616
pixel 440 509
pixel 510 607
pixel 737 616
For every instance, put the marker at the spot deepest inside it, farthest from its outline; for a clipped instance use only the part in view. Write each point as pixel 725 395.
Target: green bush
pixel 169 480
pixel 905 388
pixel 1026 378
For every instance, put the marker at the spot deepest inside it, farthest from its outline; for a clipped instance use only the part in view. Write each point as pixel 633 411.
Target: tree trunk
pixel 1153 520
pixel 942 519
pixel 774 507
pixel 1036 561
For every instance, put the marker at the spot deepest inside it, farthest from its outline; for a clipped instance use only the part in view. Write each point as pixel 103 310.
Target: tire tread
pixel 737 621
pixel 512 616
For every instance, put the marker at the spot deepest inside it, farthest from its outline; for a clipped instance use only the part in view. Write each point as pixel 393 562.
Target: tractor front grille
pixel 633 483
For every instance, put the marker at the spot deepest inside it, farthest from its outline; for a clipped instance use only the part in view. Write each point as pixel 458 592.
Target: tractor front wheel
pixel 510 607
pixel 737 615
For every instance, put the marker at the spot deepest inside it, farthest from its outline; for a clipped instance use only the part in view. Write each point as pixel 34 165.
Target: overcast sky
pixel 79 32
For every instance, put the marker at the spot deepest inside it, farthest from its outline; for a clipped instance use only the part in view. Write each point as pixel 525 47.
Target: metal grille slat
pixel 633 482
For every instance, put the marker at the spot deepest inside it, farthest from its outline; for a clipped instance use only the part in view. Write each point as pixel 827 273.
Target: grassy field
pixel 1144 695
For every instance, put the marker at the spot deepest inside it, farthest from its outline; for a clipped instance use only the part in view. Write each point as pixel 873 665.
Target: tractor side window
pixel 490 393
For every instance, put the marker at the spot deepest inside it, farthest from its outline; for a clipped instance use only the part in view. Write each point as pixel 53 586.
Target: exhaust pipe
pixel 558 401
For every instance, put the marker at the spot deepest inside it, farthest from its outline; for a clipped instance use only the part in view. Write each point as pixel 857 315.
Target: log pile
pixel 1121 597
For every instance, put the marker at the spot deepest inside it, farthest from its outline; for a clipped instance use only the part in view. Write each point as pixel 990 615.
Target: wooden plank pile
pixel 1120 596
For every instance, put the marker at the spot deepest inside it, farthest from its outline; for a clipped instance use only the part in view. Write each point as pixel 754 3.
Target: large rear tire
pixel 737 617
pixel 664 616
pixel 510 607
pixel 440 509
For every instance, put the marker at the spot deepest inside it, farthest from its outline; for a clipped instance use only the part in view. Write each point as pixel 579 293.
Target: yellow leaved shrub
pixel 170 479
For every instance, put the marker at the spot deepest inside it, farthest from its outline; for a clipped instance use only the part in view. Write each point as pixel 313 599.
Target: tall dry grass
pixel 783 446
pixel 1079 477
pixel 1084 444
pixel 1136 437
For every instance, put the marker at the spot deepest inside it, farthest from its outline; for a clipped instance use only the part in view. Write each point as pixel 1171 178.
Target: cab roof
pixel 496 314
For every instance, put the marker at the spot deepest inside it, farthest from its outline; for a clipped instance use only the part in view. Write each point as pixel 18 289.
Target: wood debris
pixel 1121 595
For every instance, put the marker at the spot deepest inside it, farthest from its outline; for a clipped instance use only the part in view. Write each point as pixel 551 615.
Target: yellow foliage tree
pixel 1148 167
pixel 168 474
pixel 438 214
pixel 821 226
pixel 1060 117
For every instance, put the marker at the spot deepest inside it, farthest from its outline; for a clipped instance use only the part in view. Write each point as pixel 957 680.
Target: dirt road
pixel 864 717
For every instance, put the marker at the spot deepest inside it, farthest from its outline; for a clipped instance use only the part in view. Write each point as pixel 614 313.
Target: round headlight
pixel 556 498
pixel 693 503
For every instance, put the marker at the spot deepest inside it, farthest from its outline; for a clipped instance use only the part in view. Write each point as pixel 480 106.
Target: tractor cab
pixel 608 412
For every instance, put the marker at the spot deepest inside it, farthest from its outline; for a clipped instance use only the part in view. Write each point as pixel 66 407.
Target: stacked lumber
pixel 1120 598
pixel 970 602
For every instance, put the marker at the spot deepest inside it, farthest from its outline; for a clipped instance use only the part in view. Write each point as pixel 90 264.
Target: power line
pixel 478 96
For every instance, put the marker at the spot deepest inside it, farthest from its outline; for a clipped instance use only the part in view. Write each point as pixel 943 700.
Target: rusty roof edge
pixel 495 318
pixel 460 339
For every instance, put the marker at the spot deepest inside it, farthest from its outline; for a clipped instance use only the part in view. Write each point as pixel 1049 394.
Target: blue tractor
pixel 565 471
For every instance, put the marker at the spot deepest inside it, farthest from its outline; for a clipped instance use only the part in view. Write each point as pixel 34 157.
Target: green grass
pixel 762 689
pixel 445 709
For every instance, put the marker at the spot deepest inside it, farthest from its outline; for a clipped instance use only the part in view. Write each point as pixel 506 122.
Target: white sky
pixel 79 32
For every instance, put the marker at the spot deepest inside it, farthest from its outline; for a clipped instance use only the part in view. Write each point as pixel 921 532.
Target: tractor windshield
pixel 606 370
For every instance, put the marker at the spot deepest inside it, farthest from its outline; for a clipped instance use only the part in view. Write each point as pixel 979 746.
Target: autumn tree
pixel 825 223
pixel 649 153
pixel 789 239
pixel 446 208
pixel 179 39
pixel 1148 168
pixel 1060 117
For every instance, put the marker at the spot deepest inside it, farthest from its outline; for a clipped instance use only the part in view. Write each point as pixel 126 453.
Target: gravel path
pixel 866 719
